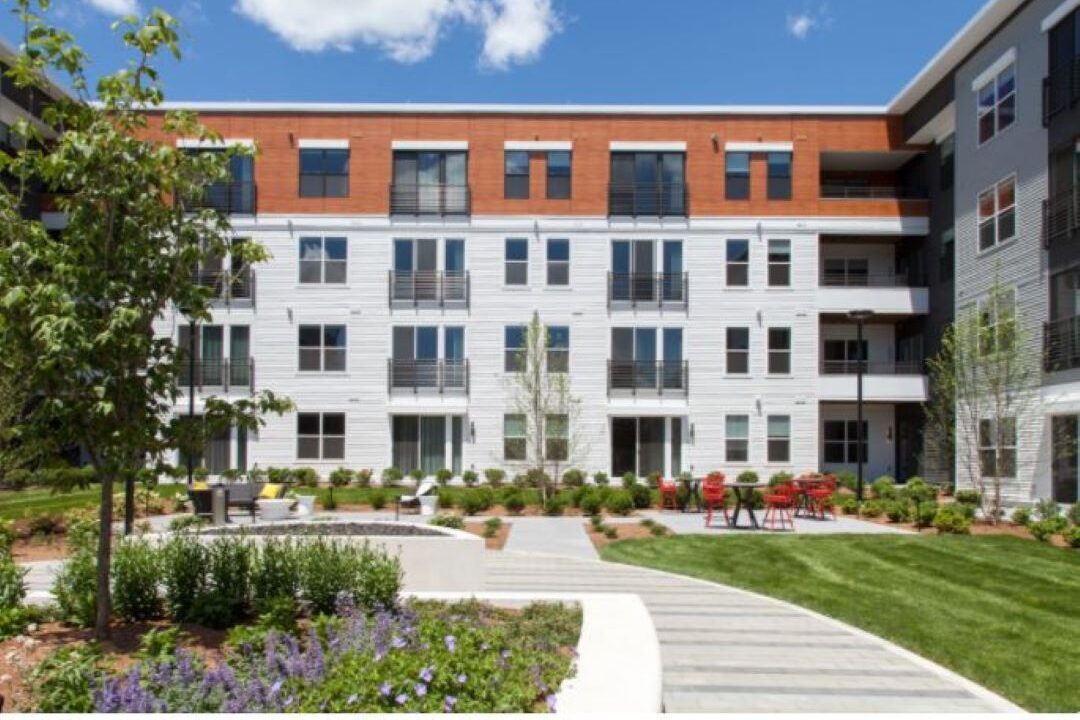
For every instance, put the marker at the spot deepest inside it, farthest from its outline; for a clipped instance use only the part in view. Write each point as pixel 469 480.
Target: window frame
pixel 509 264
pixel 771 440
pixel 507 349
pixel 322 351
pixel 999 212
pixel 322 438
pixel 993 111
pixel 848 443
pixel 729 439
pixel 744 353
pixel 988 443
pixel 992 321
pixel 779 185
pixel 736 182
pixel 557 265
pixel 561 355
pixel 512 180
pixel 323 261
pixel 550 177
pixel 729 263
pixel 779 266
pixel 553 439
pixel 323 175
pixel 508 438
pixel 776 351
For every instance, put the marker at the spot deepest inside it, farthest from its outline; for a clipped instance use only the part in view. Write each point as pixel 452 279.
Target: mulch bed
pixel 492 543
pixel 627 531
pixel 977 528
pixel 333 529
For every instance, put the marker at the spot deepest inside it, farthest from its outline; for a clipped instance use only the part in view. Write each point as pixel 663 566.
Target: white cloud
pixel 800 25
pixel 515 31
pixel 115 7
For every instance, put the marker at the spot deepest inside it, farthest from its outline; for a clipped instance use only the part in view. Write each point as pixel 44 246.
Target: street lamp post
pixel 860 317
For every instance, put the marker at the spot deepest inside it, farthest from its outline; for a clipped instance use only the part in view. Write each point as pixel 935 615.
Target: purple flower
pixel 351 700
pixel 550 703
pixel 426 674
pixel 420 689
pixel 402 698
pixel 451 643
pixel 385 689
pixel 398 642
pixel 504 654
pixel 462 679
pixel 449 703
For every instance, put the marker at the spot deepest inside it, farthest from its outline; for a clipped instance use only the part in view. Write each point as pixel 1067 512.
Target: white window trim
pixel 994 69
pixel 320 144
pixel 747 352
pixel 990 76
pixel 998 242
pixel 539 145
pixel 746 439
pixel 749 260
pixel 548 263
pixel 651 145
pixel 429 144
pixel 1058 14
pixel 211 144
pixel 322 347
pixel 321 437
pixel 759 147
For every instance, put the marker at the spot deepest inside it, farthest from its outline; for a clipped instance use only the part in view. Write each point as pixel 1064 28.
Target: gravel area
pixel 333 529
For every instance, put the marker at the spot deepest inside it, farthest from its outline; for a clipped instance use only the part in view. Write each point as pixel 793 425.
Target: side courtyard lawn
pixel 1002 611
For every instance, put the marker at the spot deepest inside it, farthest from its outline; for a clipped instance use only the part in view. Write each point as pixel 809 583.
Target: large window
pixel 779 438
pixel 517 262
pixel 516 179
pixel 842 356
pixel 997 450
pixel 1065 469
pixel 419 442
pixel 514 437
pixel 648 183
pixel 320 436
pixel 779 351
pixel 997 314
pixel 324 172
pixel 558 262
pixel 558 348
pixel 738 263
pixel 322 348
pixel 323 260
pixel 514 347
pixel 779 263
pixel 738 350
pixel 430 182
pixel 997 103
pixel 558 175
pixel 997 214
pixel 557 437
pixel 737 176
pixel 841 444
pixel 737 438
pixel 779 177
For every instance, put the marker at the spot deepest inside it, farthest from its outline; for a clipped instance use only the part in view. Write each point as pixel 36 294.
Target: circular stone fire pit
pixel 334 529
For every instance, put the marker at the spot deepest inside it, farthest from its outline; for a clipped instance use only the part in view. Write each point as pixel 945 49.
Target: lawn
pixel 16 504
pixel 1002 611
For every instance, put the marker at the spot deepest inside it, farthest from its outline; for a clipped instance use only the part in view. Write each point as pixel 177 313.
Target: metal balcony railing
pixel 649 199
pixel 1061 88
pixel 861 279
pixel 226 374
pixel 1061 215
pixel 854 191
pixel 228 286
pixel 429 199
pixel 1061 344
pixel 429 287
pixel 229 198
pixel 441 376
pixel 653 378
pixel 872 367
pixel 660 289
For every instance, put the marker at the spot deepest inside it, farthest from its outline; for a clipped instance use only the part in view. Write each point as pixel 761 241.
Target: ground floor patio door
pixel 639 445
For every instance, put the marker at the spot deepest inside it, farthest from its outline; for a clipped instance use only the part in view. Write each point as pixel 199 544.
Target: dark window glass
pixel 738 351
pixel 558 349
pixel 516 185
pixel 517 262
pixel 737 176
pixel 558 175
pixel 779 177
pixel 779 263
pixel 513 347
pixel 324 173
pixel 558 262
pixel 779 351
pixel 738 263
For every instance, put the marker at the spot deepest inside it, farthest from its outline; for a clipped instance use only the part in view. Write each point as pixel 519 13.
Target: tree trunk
pixel 104 559
pixel 129 503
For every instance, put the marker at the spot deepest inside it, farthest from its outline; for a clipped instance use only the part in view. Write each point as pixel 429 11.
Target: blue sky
pixel 544 51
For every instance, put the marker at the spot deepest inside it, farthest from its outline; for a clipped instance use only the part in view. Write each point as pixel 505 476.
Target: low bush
pixel 968 497
pixel 417 475
pixel 328 501
pixel 492 527
pixel 1073 514
pixel 620 503
pixel 7 536
pixel 1071 536
pixel 1043 530
pixel 377 498
pixel 925 514
pixel 780 478
pixel 597 522
pixel 654 480
pixel 12 582
pixel 592 502
pixel 447 520
pixel 363 477
pixel 275 573
pixel 1021 516
pixel 873 509
pixel 306 477
pixel 629 480
pixel 601 478
pixel 747 476
pixel 63 681
pixel 16 619
pixel 919 491
pixel 447 497
pixel 658 530
pixel 641 496
pixel 952 520
pixel 514 502
pixel 611 532
pixel 443 476
pixel 341 477
pixel 897 511
pixel 847 503
pixel 330 570
pixel 474 503
pixel 573 478
pixel 470 478
pixel 554 506
pixel 227 582
pixel 846 478
pixel 136 574
pixel 183 571
pixel 75 589
pixel 391 477
pixel 884 488
pixel 1047 509
pixel 495 477
pixel 187 523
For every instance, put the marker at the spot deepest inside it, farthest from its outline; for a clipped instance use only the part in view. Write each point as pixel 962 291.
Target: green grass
pixel 1002 611
pixel 16 504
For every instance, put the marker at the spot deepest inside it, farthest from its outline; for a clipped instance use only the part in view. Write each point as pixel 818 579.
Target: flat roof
pixel 517 109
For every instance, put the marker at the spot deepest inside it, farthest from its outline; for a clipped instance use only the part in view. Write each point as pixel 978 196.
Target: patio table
pixel 744 498
pixel 693 492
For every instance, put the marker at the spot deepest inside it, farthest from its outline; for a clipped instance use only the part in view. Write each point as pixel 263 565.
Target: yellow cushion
pixel 199 485
pixel 270 491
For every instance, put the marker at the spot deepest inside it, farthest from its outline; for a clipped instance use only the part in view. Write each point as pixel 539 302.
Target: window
pixel 558 262
pixel 322 347
pixel 514 347
pixel 846 272
pixel 558 175
pixel 430 182
pixel 738 263
pixel 779 351
pixel 842 356
pixel 516 181
pixel 324 173
pixel 947 159
pixel 779 263
pixel 737 176
pixel 557 437
pixel 997 214
pixel 947 258
pixel 997 450
pixel 648 183
pixel 558 349
pixel 779 177
pixel 320 436
pixel 738 350
pixel 842 441
pixel 997 103
pixel 419 442
pixel 517 262
pixel 779 438
pixel 737 438
pixel 514 437
pixel 323 260
pixel 996 315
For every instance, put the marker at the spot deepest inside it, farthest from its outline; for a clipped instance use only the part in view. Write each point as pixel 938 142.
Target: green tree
pixel 939 412
pixel 83 301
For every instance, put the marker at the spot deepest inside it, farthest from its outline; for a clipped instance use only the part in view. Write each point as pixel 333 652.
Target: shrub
pixel 377 498
pixel 1042 530
pixel 1021 516
pixel 846 478
pixel 596 521
pixel 183 560
pixel 186 523
pixel 514 502
pixel 658 530
pixel 391 477
pixel 63 682
pixel 470 478
pixel 780 478
pixel 919 491
pixel 75 589
pixel 747 476
pixel 592 502
pixel 330 569
pixel 17 479
pixel 275 573
pixel 573 478
pixel 654 480
pixel 872 509
pixel 306 477
pixel 341 477
pixel 601 478
pixel 611 532
pixel 620 503
pixel 629 480
pixel 417 475
pixel 12 582
pixel 16 619
pixel 641 496
pixel 1074 514
pixel 884 488
pixel 951 520
pixel 443 476
pixel 7 537
pixel 45 524
pixel 896 510
pixel 136 574
pixel 925 514
pixel 448 520
pixel 227 585
pixel 1047 509
pixel 492 527
pixel 536 478
pixel 495 477
pixel 968 497
pixel 847 503
pixel 474 503
pixel 363 477
pixel 554 506
pixel 1071 536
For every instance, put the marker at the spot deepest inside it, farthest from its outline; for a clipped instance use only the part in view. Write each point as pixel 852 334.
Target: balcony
pixel 1061 88
pixel 654 379
pixel 884 293
pixel 858 191
pixel 872 367
pixel 1061 344
pixel 429 199
pixel 228 286
pixel 657 290
pixel 1061 215
pixel 855 278
pixel 890 381
pixel 218 374
pixel 231 198
pixel 426 288
pixel 648 200
pixel 428 376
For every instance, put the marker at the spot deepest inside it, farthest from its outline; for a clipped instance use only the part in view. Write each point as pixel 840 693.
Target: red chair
pixel 669 494
pixel 821 497
pixel 714 495
pixel 779 505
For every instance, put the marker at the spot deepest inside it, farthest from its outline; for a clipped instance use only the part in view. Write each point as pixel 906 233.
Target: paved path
pixel 563 536
pixel 725 650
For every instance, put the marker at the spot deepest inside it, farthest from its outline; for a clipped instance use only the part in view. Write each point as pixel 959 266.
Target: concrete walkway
pixel 564 536
pixel 726 650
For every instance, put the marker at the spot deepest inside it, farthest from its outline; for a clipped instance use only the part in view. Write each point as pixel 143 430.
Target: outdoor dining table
pixel 693 492
pixel 804 504
pixel 744 498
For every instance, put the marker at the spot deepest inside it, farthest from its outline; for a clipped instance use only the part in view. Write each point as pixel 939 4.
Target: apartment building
pixel 698 269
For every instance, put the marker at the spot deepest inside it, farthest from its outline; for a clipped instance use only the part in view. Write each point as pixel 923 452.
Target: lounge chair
pixel 243 496
pixel 201 502
pixel 412 502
